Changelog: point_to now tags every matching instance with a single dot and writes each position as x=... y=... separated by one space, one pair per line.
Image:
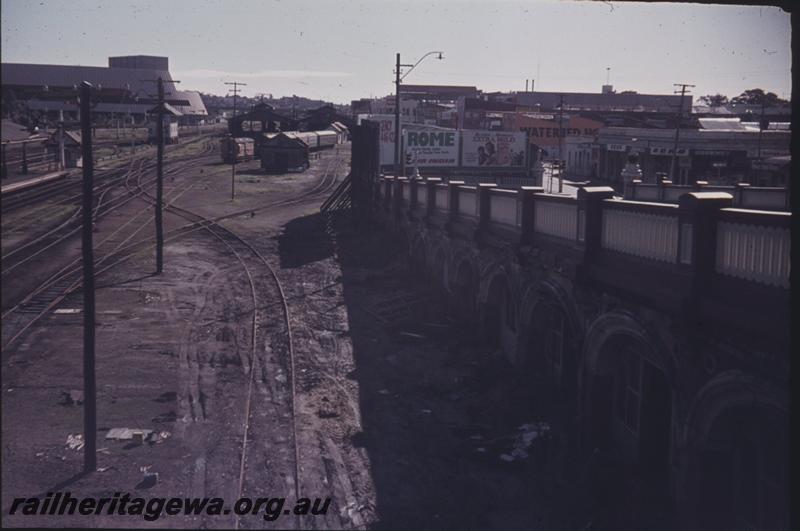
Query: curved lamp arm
x=418 y=62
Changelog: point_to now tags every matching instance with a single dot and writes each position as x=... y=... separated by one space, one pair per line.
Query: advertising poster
x=493 y=148
x=386 y=138
x=546 y=132
x=427 y=147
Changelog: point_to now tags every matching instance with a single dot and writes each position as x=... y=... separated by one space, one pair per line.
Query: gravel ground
x=400 y=415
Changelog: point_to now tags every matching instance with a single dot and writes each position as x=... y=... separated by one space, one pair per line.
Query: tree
x=757 y=96
x=716 y=100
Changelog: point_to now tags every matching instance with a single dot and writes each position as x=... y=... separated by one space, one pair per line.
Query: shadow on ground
x=441 y=411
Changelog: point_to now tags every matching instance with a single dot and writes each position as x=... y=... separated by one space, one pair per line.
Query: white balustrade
x=422 y=194
x=503 y=209
x=467 y=203
x=556 y=218
x=442 y=202
x=640 y=234
x=769 y=198
x=753 y=252
x=646 y=192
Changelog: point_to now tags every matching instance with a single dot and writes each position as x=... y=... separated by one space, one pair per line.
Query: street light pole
x=397 y=80
x=397 y=117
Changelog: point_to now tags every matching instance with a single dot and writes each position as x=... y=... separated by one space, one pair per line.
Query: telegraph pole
x=160 y=172
x=61 y=158
x=761 y=126
x=89 y=387
x=674 y=163
x=560 y=143
x=235 y=90
x=397 y=117
x=160 y=180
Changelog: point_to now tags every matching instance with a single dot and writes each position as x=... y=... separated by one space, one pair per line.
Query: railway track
x=264 y=289
x=102 y=205
x=103 y=179
x=56 y=288
x=68 y=279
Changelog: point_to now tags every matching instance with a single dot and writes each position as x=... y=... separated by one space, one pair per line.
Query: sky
x=341 y=50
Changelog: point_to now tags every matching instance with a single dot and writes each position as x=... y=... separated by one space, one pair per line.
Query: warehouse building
x=125 y=90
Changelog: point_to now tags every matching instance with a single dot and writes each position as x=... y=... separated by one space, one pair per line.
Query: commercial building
x=719 y=155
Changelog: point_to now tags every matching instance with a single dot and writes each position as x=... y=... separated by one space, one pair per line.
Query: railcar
x=326 y=139
x=237 y=149
x=309 y=137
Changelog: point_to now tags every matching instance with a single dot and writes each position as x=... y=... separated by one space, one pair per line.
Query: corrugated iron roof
x=168 y=109
x=135 y=80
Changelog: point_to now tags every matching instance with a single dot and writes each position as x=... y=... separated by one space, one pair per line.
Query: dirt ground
x=400 y=415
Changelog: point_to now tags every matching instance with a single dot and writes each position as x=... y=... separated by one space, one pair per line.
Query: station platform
x=23 y=184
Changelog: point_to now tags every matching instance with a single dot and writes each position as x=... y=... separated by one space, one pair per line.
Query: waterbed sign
x=493 y=148
x=431 y=147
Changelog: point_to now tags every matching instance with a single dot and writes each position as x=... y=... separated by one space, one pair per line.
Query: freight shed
x=281 y=153
x=261 y=119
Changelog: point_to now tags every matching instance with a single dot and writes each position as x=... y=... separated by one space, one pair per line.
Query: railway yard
x=281 y=353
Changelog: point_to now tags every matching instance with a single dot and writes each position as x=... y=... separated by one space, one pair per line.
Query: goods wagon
x=326 y=139
x=237 y=149
x=309 y=137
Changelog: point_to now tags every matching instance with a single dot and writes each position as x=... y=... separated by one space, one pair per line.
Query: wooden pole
x=89 y=388
x=397 y=117
x=160 y=180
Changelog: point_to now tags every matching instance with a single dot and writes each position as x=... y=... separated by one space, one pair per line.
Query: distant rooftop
x=41 y=84
x=596 y=101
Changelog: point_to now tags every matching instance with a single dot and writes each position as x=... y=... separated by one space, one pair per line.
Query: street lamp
x=397 y=80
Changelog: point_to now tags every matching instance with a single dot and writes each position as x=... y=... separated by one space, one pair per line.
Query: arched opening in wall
x=496 y=311
x=418 y=258
x=548 y=358
x=439 y=262
x=743 y=478
x=463 y=291
x=630 y=409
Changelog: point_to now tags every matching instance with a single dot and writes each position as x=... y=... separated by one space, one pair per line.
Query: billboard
x=429 y=151
x=427 y=147
x=548 y=132
x=493 y=148
x=386 y=135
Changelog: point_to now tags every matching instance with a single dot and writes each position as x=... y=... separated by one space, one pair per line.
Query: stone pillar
x=590 y=217
x=663 y=184
x=388 y=184
x=378 y=190
x=738 y=196
x=399 y=184
x=527 y=195
x=697 y=237
x=484 y=203
x=412 y=194
x=430 y=189
x=452 y=192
